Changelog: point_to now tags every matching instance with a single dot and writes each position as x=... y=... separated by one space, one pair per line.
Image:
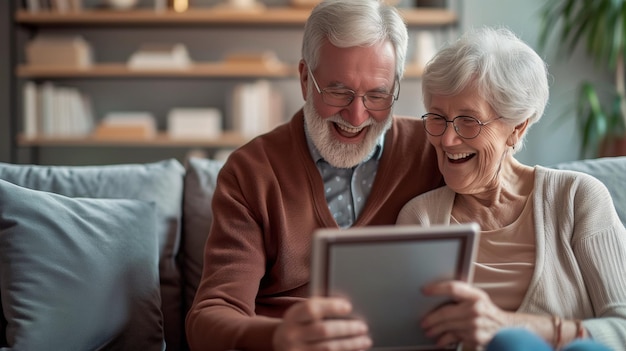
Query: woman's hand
x=472 y=318
x=317 y=324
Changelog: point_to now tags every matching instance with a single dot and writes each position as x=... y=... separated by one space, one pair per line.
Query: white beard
x=336 y=153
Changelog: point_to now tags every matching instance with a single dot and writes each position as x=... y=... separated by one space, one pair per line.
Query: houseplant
x=599 y=25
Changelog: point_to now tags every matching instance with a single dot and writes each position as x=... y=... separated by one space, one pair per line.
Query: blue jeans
x=519 y=339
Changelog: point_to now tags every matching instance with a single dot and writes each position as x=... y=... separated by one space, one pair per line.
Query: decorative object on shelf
x=267 y=59
x=160 y=56
x=121 y=4
x=127 y=125
x=304 y=3
x=601 y=117
x=240 y=5
x=179 y=5
x=194 y=123
x=59 y=51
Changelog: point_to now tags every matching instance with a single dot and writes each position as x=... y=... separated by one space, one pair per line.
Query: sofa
x=109 y=257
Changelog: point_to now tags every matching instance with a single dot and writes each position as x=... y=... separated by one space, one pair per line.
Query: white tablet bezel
x=460 y=238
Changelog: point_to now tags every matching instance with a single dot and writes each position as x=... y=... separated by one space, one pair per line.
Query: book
x=31 y=124
x=59 y=50
x=126 y=125
x=256 y=108
x=160 y=56
x=197 y=123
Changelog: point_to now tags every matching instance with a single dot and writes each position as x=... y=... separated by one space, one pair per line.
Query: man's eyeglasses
x=340 y=97
x=467 y=127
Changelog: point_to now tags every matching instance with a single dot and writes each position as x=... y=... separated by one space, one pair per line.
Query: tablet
x=381 y=270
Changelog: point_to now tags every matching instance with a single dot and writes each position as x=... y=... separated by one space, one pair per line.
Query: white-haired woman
x=552 y=248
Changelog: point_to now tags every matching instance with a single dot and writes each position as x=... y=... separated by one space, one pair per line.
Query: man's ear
x=304 y=78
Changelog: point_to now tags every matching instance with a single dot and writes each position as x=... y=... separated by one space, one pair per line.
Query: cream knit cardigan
x=580 y=267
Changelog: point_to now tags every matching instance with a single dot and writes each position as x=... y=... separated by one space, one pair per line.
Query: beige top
x=506 y=260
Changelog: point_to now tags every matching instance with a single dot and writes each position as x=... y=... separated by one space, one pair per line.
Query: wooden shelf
x=270 y=16
x=200 y=70
x=227 y=139
x=197 y=70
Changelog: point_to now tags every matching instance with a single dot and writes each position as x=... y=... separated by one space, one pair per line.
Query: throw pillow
x=78 y=273
x=158 y=182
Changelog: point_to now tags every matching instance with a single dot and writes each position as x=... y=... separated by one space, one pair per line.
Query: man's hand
x=317 y=324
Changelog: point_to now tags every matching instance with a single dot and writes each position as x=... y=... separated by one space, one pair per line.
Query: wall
x=553 y=139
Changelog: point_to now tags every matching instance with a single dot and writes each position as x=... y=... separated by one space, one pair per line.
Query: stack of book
x=59 y=50
x=256 y=108
x=160 y=56
x=194 y=123
x=127 y=125
x=51 y=110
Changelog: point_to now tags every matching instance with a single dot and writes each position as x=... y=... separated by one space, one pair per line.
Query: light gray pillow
x=158 y=182
x=609 y=170
x=78 y=273
x=200 y=181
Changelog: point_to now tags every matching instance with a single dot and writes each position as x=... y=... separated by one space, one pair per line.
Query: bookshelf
x=217 y=76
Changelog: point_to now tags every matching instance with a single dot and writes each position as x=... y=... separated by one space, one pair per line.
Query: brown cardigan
x=269 y=198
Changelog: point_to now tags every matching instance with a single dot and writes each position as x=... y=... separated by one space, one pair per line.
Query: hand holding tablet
x=381 y=270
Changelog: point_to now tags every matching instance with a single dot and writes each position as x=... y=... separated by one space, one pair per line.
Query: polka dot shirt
x=347 y=189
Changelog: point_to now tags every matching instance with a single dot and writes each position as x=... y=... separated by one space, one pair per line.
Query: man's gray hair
x=351 y=23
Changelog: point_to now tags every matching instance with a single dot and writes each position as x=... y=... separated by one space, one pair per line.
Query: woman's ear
x=518 y=133
x=304 y=78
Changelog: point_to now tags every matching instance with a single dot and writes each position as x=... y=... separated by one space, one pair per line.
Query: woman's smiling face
x=470 y=166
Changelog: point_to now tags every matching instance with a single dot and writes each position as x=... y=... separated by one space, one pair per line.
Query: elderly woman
x=552 y=248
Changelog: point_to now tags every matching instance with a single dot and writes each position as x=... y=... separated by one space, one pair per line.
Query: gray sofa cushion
x=200 y=182
x=609 y=170
x=159 y=182
x=78 y=274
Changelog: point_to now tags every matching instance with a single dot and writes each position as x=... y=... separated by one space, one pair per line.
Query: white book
x=201 y=123
x=155 y=56
x=46 y=98
x=61 y=114
x=76 y=113
x=263 y=90
x=30 y=112
x=277 y=110
x=87 y=113
x=235 y=110
x=250 y=113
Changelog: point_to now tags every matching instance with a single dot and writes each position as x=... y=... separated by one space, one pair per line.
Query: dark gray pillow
x=77 y=273
x=158 y=182
x=200 y=181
